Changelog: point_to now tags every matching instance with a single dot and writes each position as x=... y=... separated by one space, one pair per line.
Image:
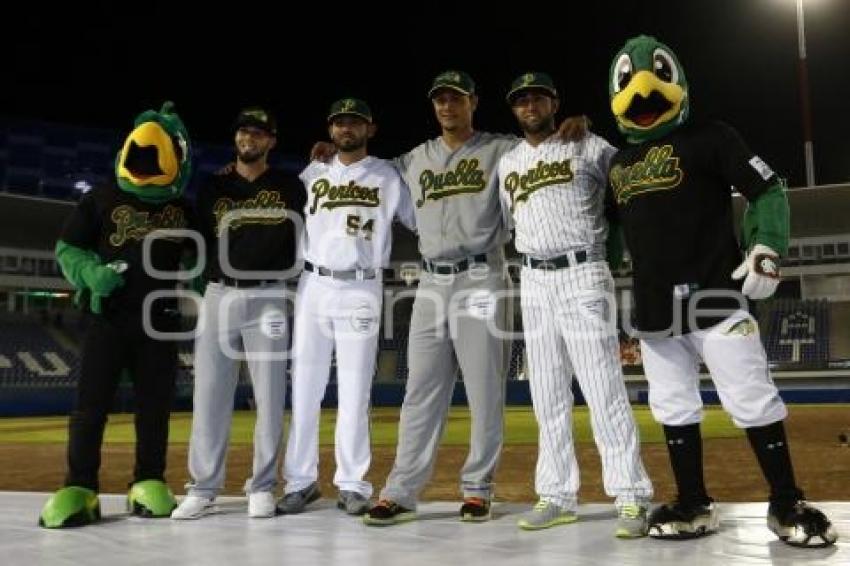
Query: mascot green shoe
x=151 y=499
x=71 y=506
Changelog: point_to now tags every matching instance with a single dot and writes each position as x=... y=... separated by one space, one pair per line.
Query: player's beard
x=546 y=125
x=349 y=144
x=250 y=155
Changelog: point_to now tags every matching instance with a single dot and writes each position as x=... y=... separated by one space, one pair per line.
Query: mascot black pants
x=110 y=347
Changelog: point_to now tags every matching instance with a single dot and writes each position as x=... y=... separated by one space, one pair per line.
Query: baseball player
x=249 y=214
x=352 y=202
x=461 y=236
x=452 y=179
x=672 y=188
x=554 y=193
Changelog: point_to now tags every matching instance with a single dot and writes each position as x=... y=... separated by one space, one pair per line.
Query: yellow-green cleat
x=546 y=514
x=151 y=499
x=631 y=522
x=71 y=506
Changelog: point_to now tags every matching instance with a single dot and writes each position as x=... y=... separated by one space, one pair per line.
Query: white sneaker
x=194 y=507
x=261 y=504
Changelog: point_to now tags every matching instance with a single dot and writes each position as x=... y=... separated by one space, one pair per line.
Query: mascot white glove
x=761 y=269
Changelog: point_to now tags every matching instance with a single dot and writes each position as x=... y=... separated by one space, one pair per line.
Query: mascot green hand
x=86 y=272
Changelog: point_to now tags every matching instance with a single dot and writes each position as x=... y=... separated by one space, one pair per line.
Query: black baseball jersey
x=114 y=224
x=260 y=238
x=673 y=197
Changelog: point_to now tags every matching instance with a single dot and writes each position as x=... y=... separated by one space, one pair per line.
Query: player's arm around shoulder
x=312 y=171
x=600 y=153
x=394 y=186
x=504 y=170
x=403 y=162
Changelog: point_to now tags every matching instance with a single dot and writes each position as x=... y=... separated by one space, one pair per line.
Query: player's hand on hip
x=760 y=271
x=322 y=151
x=574 y=128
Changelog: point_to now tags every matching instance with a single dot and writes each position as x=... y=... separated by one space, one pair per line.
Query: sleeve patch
x=761 y=167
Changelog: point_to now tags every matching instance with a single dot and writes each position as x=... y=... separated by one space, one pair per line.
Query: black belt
x=244 y=283
x=348 y=275
x=450 y=268
x=559 y=262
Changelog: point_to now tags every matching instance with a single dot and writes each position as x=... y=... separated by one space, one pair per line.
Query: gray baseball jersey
x=456 y=195
x=568 y=214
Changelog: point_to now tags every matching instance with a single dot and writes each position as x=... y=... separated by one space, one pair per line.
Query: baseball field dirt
x=33 y=452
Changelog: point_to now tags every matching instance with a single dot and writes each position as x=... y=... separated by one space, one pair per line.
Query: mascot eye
x=664 y=66
x=181 y=147
x=622 y=72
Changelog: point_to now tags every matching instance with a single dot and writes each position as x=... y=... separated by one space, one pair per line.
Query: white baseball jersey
x=348 y=217
x=554 y=195
x=350 y=210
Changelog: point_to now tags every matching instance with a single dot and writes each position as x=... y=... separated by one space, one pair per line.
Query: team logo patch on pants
x=481 y=304
x=273 y=323
x=743 y=327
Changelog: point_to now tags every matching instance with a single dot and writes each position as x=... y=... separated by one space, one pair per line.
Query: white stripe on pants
x=564 y=313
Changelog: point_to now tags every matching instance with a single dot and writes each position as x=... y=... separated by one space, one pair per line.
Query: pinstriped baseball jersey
x=456 y=195
x=350 y=210
x=554 y=194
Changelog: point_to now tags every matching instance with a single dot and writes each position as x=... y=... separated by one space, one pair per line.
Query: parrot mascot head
x=155 y=162
x=648 y=90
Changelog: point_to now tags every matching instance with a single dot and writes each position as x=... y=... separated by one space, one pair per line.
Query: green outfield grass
x=520 y=427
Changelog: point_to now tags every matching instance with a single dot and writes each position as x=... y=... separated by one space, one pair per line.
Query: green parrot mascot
x=118 y=237
x=672 y=189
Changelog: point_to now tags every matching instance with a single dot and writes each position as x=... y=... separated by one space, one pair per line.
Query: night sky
x=100 y=64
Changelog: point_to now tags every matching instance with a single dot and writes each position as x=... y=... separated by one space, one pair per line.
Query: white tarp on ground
x=324 y=535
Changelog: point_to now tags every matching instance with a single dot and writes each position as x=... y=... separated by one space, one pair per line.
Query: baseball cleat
x=475 y=510
x=683 y=521
x=388 y=513
x=295 y=502
x=801 y=525
x=544 y=515
x=352 y=502
x=631 y=522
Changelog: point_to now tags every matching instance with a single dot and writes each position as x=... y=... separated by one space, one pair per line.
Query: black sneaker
x=800 y=524
x=388 y=513
x=475 y=510
x=295 y=502
x=683 y=521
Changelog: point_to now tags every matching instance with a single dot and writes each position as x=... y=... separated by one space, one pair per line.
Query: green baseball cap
x=351 y=107
x=455 y=80
x=256 y=117
x=531 y=81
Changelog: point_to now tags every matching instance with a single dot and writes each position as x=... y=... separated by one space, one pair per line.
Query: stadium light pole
x=803 y=75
